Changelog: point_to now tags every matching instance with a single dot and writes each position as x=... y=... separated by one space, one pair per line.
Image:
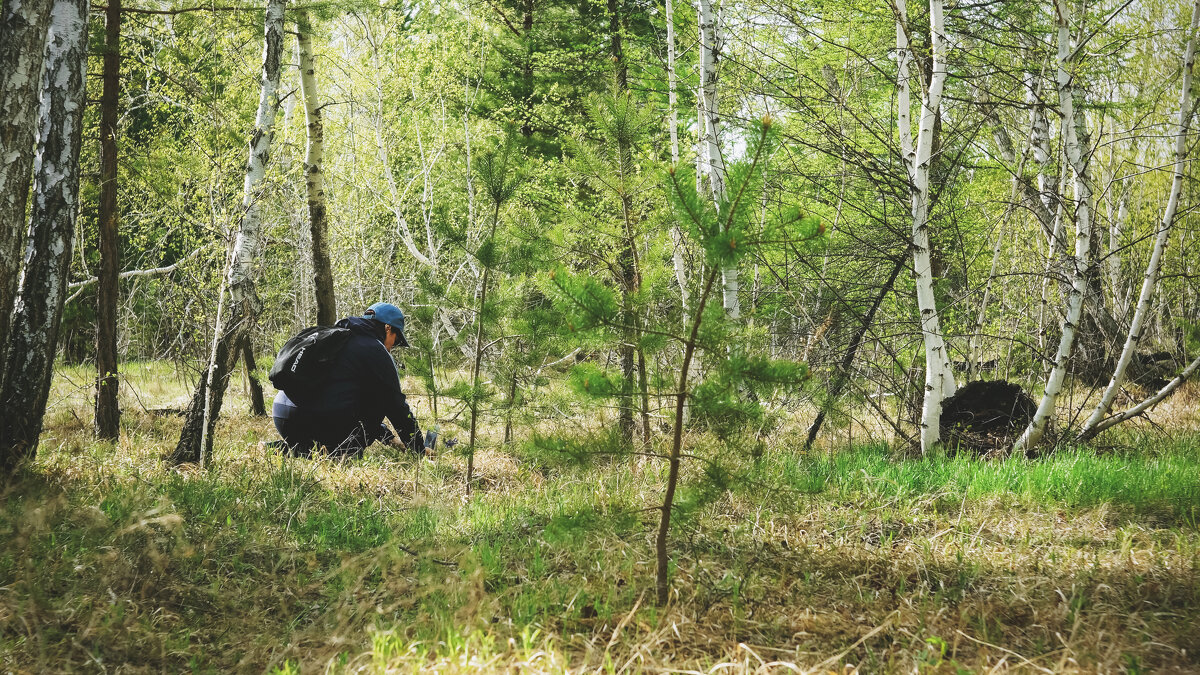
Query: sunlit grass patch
x=1167 y=480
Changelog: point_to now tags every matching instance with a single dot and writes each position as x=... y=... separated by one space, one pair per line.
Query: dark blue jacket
x=363 y=384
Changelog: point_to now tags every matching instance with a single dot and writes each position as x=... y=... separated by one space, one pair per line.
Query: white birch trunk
x=314 y=175
x=1083 y=234
x=711 y=41
x=22 y=46
x=677 y=238
x=43 y=285
x=1053 y=248
x=939 y=375
x=1051 y=229
x=236 y=311
x=1150 y=281
x=1040 y=140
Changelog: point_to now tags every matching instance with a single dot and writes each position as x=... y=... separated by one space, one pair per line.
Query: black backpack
x=303 y=363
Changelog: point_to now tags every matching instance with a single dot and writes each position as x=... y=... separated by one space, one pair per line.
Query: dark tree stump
x=986 y=415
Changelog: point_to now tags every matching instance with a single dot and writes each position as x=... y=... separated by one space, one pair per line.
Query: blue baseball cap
x=391 y=315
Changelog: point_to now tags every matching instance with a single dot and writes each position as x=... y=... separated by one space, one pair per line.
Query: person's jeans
x=303 y=431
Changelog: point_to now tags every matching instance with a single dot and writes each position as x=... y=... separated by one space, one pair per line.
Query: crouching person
x=360 y=386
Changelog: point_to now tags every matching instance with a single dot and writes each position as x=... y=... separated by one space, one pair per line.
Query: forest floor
x=852 y=559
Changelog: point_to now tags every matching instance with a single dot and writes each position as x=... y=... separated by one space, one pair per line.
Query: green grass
x=1074 y=561
x=1166 y=478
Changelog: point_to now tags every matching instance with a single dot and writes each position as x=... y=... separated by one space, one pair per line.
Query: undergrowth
x=1161 y=479
x=1077 y=561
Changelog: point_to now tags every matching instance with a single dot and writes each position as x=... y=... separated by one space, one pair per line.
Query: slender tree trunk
x=844 y=373
x=939 y=376
x=661 y=577
x=22 y=46
x=974 y=356
x=108 y=411
x=237 y=307
x=433 y=390
x=1050 y=209
x=34 y=334
x=1030 y=192
x=627 y=257
x=1033 y=433
x=644 y=387
x=1150 y=281
x=527 y=68
x=629 y=267
x=1054 y=249
x=1097 y=333
x=512 y=401
x=258 y=404
x=478 y=362
x=626 y=406
x=1039 y=139
x=314 y=176
x=1121 y=291
x=616 y=47
x=677 y=238
x=713 y=163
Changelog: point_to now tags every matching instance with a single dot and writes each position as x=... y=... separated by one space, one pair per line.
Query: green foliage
x=590 y=380
x=729 y=401
x=586 y=302
x=567 y=453
x=498 y=172
x=489 y=141
x=736 y=225
x=486 y=253
x=1191 y=332
x=718 y=405
x=463 y=391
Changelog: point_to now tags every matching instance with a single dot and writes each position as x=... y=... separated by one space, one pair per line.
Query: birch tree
x=677 y=238
x=1150 y=280
x=711 y=161
x=43 y=285
x=1036 y=429
x=939 y=376
x=314 y=178
x=22 y=44
x=238 y=302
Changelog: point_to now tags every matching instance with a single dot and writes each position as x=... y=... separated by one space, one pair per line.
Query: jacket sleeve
x=395 y=405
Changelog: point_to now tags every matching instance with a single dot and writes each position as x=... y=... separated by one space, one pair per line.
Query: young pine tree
x=619 y=190
x=726 y=231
